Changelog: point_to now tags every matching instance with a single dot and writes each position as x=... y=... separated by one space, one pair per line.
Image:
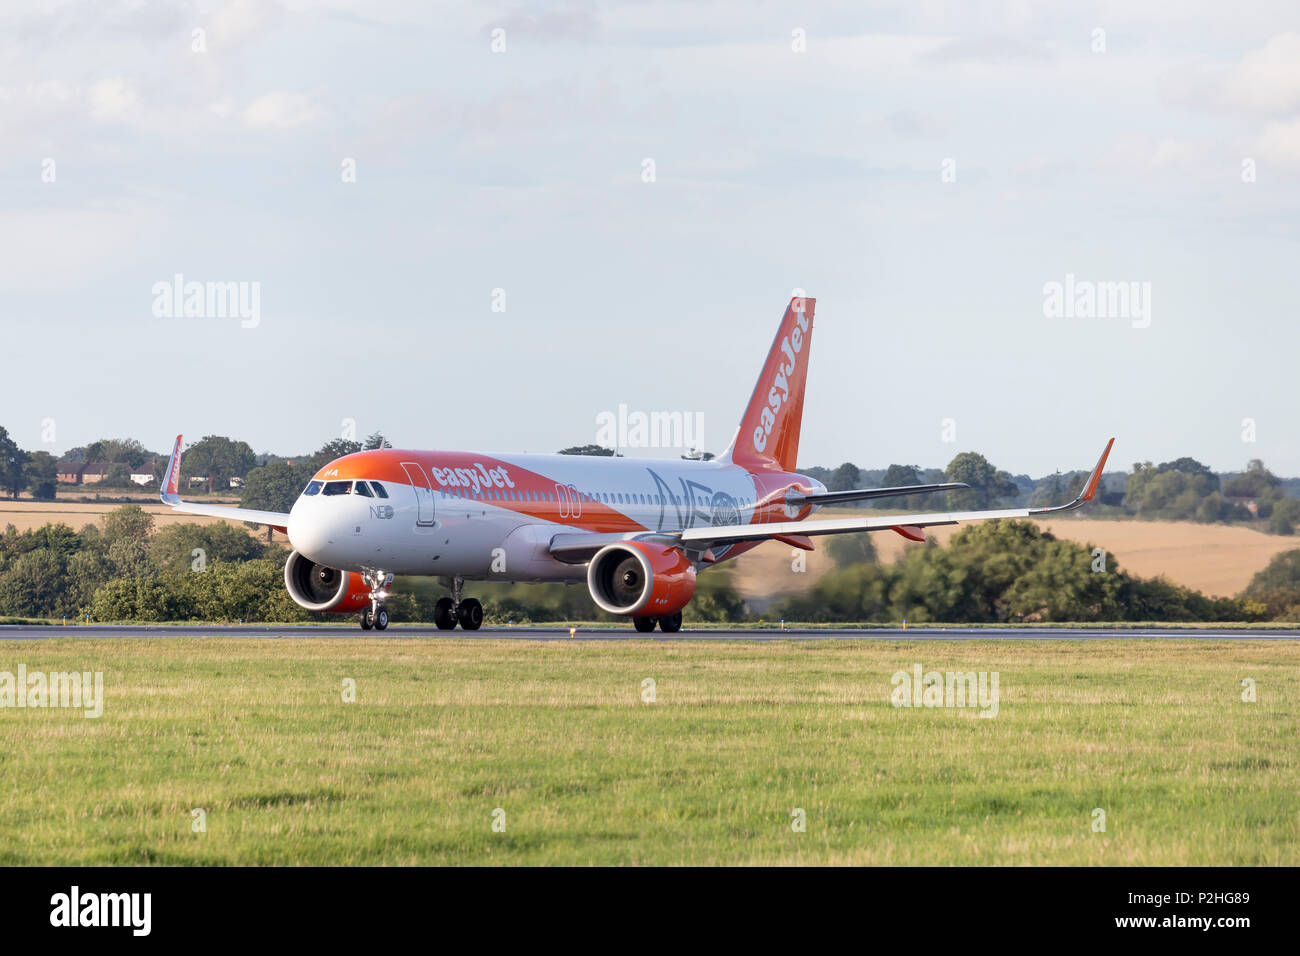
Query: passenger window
x=379 y=489
x=362 y=488
x=338 y=487
x=313 y=487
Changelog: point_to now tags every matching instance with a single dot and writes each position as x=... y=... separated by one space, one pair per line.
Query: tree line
x=124 y=569
x=1179 y=490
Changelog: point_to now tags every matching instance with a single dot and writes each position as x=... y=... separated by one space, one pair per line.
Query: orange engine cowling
x=319 y=588
x=634 y=577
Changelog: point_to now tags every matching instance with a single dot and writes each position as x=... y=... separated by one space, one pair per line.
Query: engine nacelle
x=320 y=588
x=634 y=577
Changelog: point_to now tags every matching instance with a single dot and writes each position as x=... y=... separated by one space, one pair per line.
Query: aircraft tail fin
x=769 y=430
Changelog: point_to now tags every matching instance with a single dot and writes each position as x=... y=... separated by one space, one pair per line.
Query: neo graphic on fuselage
x=638 y=532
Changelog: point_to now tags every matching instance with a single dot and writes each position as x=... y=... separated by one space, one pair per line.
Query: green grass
x=444 y=731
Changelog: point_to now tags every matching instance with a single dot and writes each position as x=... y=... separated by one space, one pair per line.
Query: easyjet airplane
x=637 y=531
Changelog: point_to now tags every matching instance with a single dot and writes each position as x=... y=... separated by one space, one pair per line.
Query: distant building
x=143 y=475
x=70 y=472
x=236 y=482
x=94 y=472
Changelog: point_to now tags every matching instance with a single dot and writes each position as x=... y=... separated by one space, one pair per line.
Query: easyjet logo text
x=779 y=391
x=475 y=477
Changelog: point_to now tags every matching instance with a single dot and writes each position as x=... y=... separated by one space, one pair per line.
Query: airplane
x=637 y=531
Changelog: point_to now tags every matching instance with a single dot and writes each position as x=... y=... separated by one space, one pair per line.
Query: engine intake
x=320 y=588
x=633 y=577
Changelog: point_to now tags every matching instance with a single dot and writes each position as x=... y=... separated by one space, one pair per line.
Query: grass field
x=444 y=732
x=26 y=514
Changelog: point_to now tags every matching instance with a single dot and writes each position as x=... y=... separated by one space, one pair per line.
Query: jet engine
x=639 y=578
x=320 y=588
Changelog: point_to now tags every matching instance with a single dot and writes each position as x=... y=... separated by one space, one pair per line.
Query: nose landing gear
x=376 y=616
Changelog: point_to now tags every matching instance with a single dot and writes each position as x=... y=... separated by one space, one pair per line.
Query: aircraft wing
x=169 y=496
x=907 y=525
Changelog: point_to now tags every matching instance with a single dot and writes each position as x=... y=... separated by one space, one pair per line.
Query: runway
x=23 y=632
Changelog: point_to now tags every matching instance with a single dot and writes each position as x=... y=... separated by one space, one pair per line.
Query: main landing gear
x=669 y=624
x=450 y=611
x=376 y=616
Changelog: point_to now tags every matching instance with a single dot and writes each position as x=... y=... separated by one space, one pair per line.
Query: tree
x=988 y=486
x=173 y=547
x=1049 y=492
x=218 y=458
x=899 y=476
x=1176 y=490
x=1286 y=515
x=117 y=476
x=844 y=478
x=849 y=549
x=1277 y=586
x=128 y=451
x=32 y=585
x=127 y=523
x=327 y=453
x=376 y=441
x=1255 y=482
x=274 y=487
x=42 y=475
x=13 y=465
x=598 y=451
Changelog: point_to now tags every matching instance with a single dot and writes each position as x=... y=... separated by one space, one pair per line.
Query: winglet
x=1095 y=478
x=170 y=493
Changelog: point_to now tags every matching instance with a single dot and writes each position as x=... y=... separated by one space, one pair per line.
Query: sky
x=489 y=226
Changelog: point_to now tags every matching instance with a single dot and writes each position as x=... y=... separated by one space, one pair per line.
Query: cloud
x=1279 y=145
x=112 y=100
x=281 y=109
x=988 y=50
x=1141 y=157
x=577 y=22
x=1265 y=81
x=69 y=246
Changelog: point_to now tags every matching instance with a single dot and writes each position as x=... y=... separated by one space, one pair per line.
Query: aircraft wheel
x=643 y=624
x=443 y=615
x=470 y=614
x=367 y=622
x=381 y=619
x=671 y=624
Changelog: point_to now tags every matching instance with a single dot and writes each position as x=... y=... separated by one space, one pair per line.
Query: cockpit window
x=313 y=487
x=338 y=487
x=379 y=489
x=362 y=488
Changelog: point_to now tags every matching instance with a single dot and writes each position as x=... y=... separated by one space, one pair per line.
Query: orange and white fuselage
x=481 y=516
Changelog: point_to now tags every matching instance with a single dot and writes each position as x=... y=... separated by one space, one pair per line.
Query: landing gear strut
x=467 y=612
x=376 y=615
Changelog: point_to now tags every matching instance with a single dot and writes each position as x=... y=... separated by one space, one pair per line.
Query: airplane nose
x=311 y=531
